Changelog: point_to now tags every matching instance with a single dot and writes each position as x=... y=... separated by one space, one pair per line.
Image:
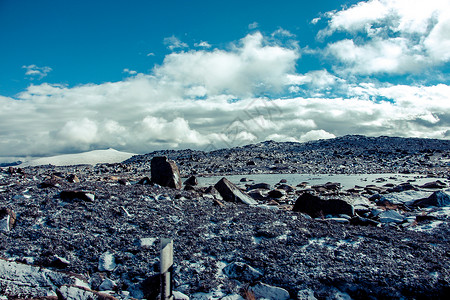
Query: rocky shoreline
x=92 y=232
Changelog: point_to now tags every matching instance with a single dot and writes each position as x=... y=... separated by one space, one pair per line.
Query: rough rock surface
x=230 y=192
x=165 y=172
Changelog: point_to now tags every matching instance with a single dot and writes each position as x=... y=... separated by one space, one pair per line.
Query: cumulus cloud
x=390 y=36
x=34 y=71
x=253 y=65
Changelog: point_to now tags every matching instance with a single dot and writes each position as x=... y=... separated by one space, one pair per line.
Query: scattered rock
x=69 y=292
x=165 y=172
x=276 y=193
x=437 y=199
x=106 y=262
x=72 y=178
x=192 y=181
x=25 y=281
x=262 y=186
x=242 y=272
x=434 y=185
x=230 y=192
x=390 y=216
x=7 y=219
x=145 y=180
x=316 y=207
x=265 y=291
x=306 y=294
x=70 y=196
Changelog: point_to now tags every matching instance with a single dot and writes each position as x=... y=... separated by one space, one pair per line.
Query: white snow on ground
x=85 y=158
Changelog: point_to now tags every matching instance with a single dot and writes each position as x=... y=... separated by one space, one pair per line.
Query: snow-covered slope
x=90 y=158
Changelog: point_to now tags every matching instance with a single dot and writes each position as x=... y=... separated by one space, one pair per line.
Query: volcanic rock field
x=93 y=232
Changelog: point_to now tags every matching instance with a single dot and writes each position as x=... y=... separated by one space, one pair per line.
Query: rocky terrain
x=92 y=232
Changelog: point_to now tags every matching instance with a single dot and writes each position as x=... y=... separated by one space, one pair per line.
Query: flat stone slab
x=24 y=281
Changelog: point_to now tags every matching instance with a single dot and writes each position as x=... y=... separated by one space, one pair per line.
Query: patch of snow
x=86 y=158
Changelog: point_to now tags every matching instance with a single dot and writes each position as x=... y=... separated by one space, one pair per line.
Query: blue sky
x=144 y=75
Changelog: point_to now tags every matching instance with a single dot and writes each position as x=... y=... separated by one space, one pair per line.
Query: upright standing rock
x=165 y=172
x=7 y=219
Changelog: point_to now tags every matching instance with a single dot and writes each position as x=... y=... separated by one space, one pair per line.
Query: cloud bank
x=207 y=98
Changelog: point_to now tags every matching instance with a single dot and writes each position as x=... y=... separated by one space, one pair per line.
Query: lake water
x=347 y=181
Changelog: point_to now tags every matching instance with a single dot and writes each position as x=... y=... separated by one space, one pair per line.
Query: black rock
x=316 y=207
x=165 y=172
x=192 y=181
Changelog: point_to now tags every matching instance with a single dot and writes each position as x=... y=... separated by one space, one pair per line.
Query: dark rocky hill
x=352 y=154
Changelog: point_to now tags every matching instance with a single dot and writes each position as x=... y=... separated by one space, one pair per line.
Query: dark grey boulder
x=434 y=185
x=70 y=196
x=276 y=194
x=165 y=172
x=232 y=193
x=262 y=186
x=438 y=199
x=316 y=207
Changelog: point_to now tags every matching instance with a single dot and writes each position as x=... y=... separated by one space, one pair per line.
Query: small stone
x=306 y=294
x=72 y=178
x=262 y=290
x=106 y=262
x=77 y=196
x=107 y=285
x=390 y=216
x=241 y=271
x=144 y=180
x=262 y=186
x=7 y=219
x=192 y=181
x=147 y=242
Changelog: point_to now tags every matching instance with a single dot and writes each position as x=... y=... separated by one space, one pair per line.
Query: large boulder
x=232 y=193
x=316 y=207
x=438 y=199
x=165 y=172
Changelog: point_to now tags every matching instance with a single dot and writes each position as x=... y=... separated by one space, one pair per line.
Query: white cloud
x=130 y=72
x=173 y=43
x=203 y=98
x=250 y=66
x=35 y=71
x=391 y=36
x=202 y=44
x=253 y=25
x=314 y=135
